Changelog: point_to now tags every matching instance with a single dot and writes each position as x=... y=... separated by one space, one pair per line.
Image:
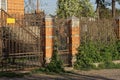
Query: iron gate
x=20 y=41
x=62 y=33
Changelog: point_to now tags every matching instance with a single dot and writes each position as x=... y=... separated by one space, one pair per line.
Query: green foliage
x=83 y=63
x=105 y=13
x=106 y=53
x=84 y=60
x=68 y=8
x=118 y=46
x=109 y=65
x=116 y=52
x=11 y=74
x=55 y=64
x=91 y=52
x=102 y=8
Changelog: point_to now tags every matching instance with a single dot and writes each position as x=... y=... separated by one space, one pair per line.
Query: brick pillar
x=48 y=38
x=117 y=28
x=74 y=38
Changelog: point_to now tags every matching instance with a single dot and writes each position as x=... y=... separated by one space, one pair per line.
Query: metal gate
x=20 y=41
x=62 y=33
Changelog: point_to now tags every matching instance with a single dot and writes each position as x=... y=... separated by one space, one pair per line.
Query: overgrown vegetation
x=90 y=53
x=109 y=65
x=55 y=65
x=12 y=74
x=98 y=45
x=84 y=62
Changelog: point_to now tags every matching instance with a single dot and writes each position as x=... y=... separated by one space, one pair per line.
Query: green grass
x=12 y=74
x=109 y=65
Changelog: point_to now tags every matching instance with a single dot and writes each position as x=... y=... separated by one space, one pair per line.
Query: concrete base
x=47 y=60
x=73 y=60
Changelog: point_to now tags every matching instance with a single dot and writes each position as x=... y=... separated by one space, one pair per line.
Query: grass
x=12 y=74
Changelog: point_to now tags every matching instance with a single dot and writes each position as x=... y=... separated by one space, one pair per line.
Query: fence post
x=117 y=28
x=74 y=38
x=48 y=39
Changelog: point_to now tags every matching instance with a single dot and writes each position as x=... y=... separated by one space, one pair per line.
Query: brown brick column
x=74 y=38
x=48 y=38
x=117 y=28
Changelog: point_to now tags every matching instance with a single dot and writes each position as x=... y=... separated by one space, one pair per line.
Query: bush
x=90 y=52
x=105 y=53
x=84 y=60
x=56 y=64
x=118 y=46
x=106 y=65
x=109 y=65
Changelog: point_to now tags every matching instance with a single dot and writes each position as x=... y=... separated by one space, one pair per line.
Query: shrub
x=90 y=52
x=106 y=65
x=118 y=46
x=105 y=53
x=109 y=65
x=55 y=64
x=84 y=60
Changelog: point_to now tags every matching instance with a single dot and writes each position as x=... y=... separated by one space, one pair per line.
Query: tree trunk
x=98 y=9
x=113 y=8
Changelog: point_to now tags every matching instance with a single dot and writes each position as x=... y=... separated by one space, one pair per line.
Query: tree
x=102 y=10
x=78 y=8
x=113 y=8
x=99 y=4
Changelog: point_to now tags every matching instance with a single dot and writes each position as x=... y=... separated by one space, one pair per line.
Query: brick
x=75 y=36
x=48 y=37
x=48 y=53
x=15 y=6
x=48 y=23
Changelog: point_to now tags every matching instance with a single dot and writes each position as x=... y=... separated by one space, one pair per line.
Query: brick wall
x=74 y=37
x=15 y=6
x=48 y=35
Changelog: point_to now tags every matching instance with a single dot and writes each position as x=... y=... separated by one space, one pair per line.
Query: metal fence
x=20 y=41
x=102 y=31
x=61 y=32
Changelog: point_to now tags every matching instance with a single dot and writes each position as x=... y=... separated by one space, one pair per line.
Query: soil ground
x=107 y=74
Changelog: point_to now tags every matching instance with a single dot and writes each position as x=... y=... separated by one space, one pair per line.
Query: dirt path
x=108 y=74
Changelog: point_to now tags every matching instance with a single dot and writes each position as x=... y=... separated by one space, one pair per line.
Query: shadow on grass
x=68 y=75
x=41 y=75
x=12 y=74
x=75 y=76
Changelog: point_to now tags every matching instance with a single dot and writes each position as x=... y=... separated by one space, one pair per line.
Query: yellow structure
x=10 y=20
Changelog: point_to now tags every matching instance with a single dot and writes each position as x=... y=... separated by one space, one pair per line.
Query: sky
x=49 y=6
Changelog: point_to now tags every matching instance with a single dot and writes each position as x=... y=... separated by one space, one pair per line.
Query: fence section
x=102 y=31
x=62 y=35
x=20 y=41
